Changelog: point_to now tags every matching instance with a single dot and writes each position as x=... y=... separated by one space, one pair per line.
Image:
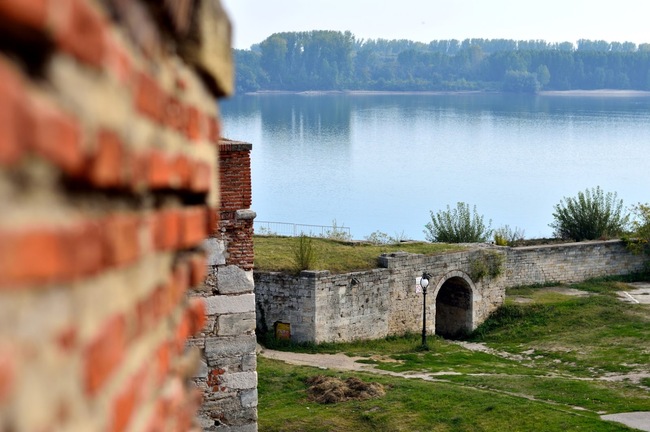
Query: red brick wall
x=236 y=225
x=108 y=168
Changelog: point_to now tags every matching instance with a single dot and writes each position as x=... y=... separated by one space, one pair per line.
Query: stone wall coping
x=231 y=145
x=245 y=214
x=567 y=245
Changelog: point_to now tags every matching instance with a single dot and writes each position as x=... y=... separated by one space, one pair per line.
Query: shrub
x=303 y=253
x=639 y=239
x=593 y=214
x=506 y=236
x=337 y=233
x=488 y=263
x=381 y=238
x=459 y=225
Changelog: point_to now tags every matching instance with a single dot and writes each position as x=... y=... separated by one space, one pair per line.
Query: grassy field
x=277 y=253
x=555 y=363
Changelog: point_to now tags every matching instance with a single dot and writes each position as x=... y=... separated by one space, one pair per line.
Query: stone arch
x=455 y=294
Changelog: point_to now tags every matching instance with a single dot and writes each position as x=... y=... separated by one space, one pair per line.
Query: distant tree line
x=332 y=60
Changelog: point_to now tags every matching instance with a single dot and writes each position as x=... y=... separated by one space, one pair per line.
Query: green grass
x=556 y=352
x=277 y=253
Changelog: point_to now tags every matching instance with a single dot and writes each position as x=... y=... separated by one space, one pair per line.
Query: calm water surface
x=382 y=162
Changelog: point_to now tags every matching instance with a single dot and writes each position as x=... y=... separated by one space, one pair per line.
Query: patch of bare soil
x=328 y=390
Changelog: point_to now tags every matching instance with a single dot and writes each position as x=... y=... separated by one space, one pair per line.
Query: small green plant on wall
x=486 y=264
x=303 y=252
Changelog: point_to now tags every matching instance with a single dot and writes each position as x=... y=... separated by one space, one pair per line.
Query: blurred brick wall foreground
x=108 y=186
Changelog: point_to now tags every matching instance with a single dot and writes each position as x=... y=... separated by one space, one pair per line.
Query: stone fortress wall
x=322 y=307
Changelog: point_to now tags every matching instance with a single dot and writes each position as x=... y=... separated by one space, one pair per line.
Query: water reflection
x=381 y=162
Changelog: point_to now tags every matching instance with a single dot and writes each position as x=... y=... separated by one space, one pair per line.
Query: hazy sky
x=426 y=20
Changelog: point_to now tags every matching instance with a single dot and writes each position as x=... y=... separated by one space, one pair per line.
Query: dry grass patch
x=328 y=390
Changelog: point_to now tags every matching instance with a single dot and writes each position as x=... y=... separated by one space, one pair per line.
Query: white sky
x=427 y=20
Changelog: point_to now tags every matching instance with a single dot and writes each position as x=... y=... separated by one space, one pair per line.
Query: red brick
x=106 y=165
x=118 y=61
x=159 y=170
x=13 y=113
x=167 y=227
x=198 y=270
x=193 y=124
x=158 y=419
x=66 y=339
x=181 y=281
x=214 y=129
x=214 y=217
x=7 y=372
x=33 y=256
x=201 y=177
x=194 y=226
x=28 y=13
x=196 y=313
x=163 y=360
x=121 y=239
x=104 y=353
x=124 y=405
x=159 y=303
x=182 y=171
x=183 y=332
x=55 y=136
x=174 y=114
x=86 y=248
x=150 y=99
x=81 y=31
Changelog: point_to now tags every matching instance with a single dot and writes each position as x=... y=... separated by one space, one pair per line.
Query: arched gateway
x=454 y=296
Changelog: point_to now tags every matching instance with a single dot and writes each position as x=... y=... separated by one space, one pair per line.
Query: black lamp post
x=424 y=283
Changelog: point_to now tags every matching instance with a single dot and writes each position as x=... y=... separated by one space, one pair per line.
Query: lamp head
x=424 y=280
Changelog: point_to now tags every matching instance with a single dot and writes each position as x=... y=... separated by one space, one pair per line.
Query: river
x=382 y=162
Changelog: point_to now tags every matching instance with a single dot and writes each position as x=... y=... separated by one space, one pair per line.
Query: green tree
x=593 y=214
x=520 y=82
x=543 y=75
x=458 y=225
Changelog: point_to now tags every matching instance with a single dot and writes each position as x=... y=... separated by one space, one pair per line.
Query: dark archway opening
x=454 y=308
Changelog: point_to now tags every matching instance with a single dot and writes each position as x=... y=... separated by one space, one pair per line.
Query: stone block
x=218 y=347
x=215 y=250
x=234 y=280
x=249 y=398
x=235 y=324
x=240 y=380
x=230 y=304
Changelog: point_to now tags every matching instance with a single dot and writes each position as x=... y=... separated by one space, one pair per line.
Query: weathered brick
x=32 y=256
x=13 y=118
x=167 y=229
x=201 y=180
x=124 y=405
x=194 y=226
x=196 y=312
x=104 y=353
x=150 y=99
x=106 y=165
x=8 y=358
x=81 y=31
x=121 y=239
x=31 y=14
x=198 y=269
x=181 y=172
x=159 y=169
x=193 y=124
